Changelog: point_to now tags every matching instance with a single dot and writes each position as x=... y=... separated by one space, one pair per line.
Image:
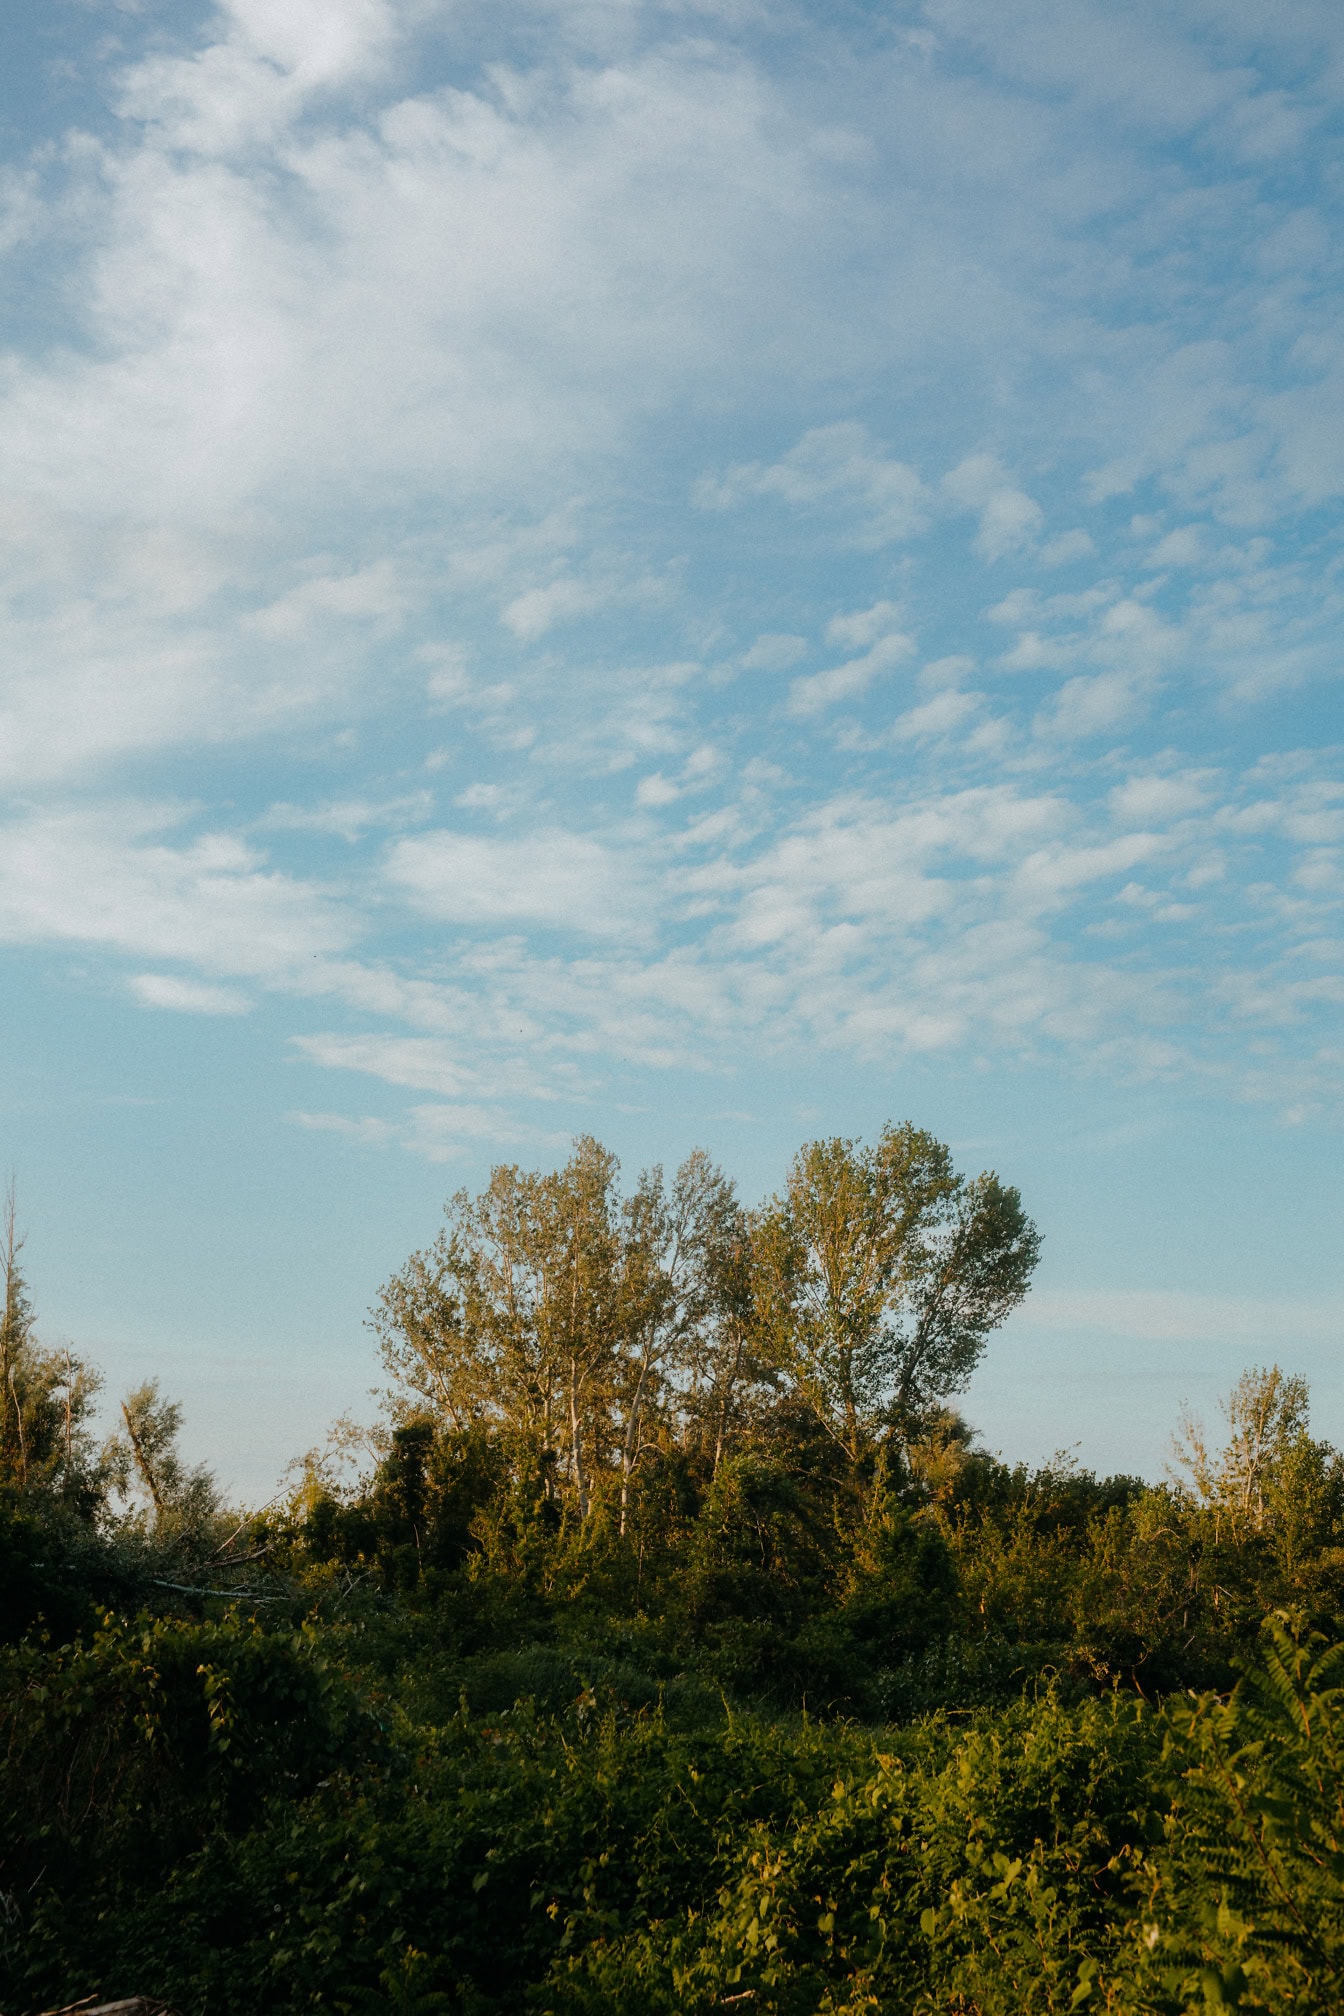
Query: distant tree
x=592 y=1327
x=597 y=1328
x=145 y=1464
x=1270 y=1476
x=17 y=1345
x=513 y=1316
x=881 y=1273
x=683 y=1346
x=730 y=1376
x=46 y=1395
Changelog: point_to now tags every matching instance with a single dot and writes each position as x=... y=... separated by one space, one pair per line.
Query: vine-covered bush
x=211 y=1815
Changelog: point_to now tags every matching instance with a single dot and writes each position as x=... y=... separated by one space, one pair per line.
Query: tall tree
x=46 y=1395
x=678 y=1249
x=16 y=1349
x=881 y=1273
x=1267 y=1414
x=729 y=1371
x=145 y=1461
x=582 y=1309
x=592 y=1326
x=459 y=1323
x=515 y=1315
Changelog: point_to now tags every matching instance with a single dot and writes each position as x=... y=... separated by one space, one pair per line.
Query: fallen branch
x=134 y=2005
x=196 y=1589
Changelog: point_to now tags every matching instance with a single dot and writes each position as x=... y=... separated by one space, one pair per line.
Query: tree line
x=600 y=1330
x=674 y=1645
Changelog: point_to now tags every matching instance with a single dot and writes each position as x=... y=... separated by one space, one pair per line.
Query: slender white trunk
x=630 y=1445
x=576 y=1441
x=724 y=1398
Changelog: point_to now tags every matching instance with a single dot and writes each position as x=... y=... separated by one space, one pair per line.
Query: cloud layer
x=624 y=537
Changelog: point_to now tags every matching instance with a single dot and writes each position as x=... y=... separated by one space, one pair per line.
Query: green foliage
x=46 y=1399
x=1243 y=1898
x=677 y=1649
x=604 y=1331
x=210 y=1814
x=174 y=1499
x=128 y=1745
x=882 y=1271
x=122 y=1755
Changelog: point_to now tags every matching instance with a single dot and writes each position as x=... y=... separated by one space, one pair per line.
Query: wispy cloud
x=580 y=547
x=837 y=471
x=187 y=997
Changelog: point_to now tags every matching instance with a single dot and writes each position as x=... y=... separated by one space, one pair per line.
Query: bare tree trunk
x=23 y=1446
x=548 y=1482
x=576 y=1440
x=723 y=1403
x=143 y=1465
x=9 y=1323
x=630 y=1444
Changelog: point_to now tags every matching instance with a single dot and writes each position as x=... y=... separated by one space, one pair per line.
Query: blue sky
x=704 y=574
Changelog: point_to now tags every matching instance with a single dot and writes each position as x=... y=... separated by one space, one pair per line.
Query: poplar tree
x=46 y=1395
x=880 y=1274
x=589 y=1326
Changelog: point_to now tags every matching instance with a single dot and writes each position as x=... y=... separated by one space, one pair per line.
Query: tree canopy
x=600 y=1327
x=672 y=1644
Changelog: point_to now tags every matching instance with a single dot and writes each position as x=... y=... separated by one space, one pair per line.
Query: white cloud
x=493 y=798
x=368 y=1132
x=1067 y=547
x=187 y=997
x=448 y=680
x=774 y=651
x=864 y=626
x=943 y=672
x=820 y=690
x=837 y=468
x=438 y=1132
x=558 y=880
x=537 y=610
x=1052 y=874
x=944 y=714
x=1158 y=799
x=350 y=819
x=114 y=878
x=424 y=1063
x=1184 y=547
x=1009 y=519
x=656 y=790
x=362 y=376
x=303 y=318
x=1173 y=1317
x=370 y=594
x=266 y=63
x=1091 y=705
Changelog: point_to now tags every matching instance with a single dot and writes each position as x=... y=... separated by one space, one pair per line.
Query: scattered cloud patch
x=557 y=880
x=945 y=714
x=1159 y=799
x=656 y=790
x=1173 y=1317
x=187 y=997
x=839 y=470
x=817 y=691
x=863 y=627
x=424 y=1063
x=1010 y=520
x=352 y=389
x=537 y=610
x=773 y=651
x=1067 y=547
x=368 y=594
